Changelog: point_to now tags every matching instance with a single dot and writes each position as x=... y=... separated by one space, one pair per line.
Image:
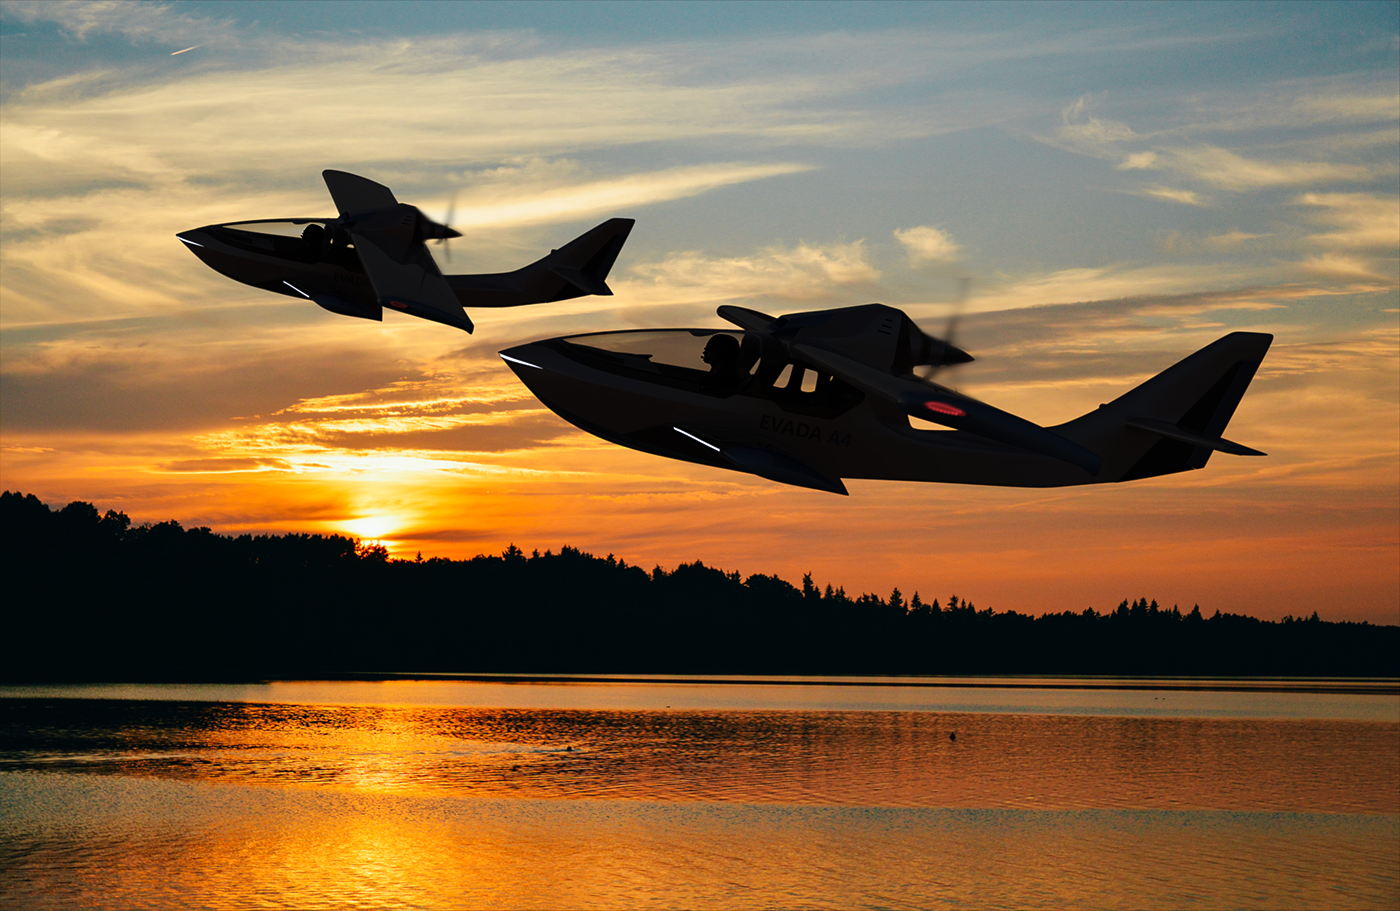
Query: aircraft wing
x=943 y=406
x=353 y=193
x=387 y=237
x=405 y=276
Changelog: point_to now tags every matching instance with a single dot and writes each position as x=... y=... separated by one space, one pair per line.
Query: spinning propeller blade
x=447 y=223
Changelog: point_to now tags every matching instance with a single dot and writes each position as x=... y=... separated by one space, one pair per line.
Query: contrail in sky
x=188 y=49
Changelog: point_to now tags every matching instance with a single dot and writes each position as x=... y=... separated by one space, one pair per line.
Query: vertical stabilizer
x=1175 y=420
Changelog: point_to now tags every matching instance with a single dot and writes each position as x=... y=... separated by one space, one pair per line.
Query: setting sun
x=373 y=528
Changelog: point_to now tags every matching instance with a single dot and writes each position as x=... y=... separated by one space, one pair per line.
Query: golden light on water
x=454 y=794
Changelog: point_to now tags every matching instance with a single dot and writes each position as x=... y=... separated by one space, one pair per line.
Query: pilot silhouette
x=313 y=242
x=722 y=354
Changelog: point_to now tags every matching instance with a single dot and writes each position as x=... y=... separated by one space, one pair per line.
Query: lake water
x=651 y=793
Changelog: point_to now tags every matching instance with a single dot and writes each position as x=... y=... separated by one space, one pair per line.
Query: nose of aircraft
x=520 y=358
x=196 y=239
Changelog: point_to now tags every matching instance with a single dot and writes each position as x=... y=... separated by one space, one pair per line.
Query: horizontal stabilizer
x=586 y=283
x=1174 y=432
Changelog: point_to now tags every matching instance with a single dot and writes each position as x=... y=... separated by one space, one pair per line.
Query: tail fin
x=1174 y=421
x=586 y=260
x=578 y=268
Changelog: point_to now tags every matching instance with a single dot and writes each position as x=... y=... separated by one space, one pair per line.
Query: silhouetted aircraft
x=811 y=398
x=373 y=256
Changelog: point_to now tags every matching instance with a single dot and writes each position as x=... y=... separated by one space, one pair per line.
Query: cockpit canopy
x=695 y=354
x=303 y=240
x=717 y=362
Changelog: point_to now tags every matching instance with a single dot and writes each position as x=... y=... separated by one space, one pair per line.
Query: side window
x=801 y=389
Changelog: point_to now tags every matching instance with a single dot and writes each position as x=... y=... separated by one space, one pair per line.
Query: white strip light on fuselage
x=696 y=439
x=296 y=289
x=516 y=360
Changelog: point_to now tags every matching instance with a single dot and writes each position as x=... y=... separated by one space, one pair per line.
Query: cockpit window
x=718 y=362
x=305 y=240
x=716 y=359
x=694 y=349
x=290 y=228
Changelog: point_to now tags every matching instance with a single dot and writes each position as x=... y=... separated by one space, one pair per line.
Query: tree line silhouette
x=90 y=597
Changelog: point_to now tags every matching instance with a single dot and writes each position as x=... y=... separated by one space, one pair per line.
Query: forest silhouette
x=90 y=597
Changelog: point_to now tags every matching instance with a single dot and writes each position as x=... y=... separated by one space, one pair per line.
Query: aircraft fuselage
x=809 y=430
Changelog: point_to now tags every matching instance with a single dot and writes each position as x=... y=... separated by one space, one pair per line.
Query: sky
x=1096 y=190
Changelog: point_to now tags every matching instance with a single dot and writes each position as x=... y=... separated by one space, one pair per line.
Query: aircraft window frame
x=296 y=227
x=830 y=396
x=671 y=356
x=334 y=248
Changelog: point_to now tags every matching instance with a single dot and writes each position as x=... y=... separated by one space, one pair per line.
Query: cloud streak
x=143 y=22
x=585 y=200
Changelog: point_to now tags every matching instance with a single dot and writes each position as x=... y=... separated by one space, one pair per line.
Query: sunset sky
x=1117 y=184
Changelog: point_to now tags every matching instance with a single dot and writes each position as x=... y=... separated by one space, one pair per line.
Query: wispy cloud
x=613 y=195
x=1176 y=147
x=1234 y=238
x=413 y=109
x=1230 y=171
x=1346 y=268
x=806 y=273
x=135 y=21
x=1362 y=220
x=1107 y=283
x=1174 y=194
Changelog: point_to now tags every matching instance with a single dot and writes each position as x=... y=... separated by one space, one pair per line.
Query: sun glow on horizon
x=373 y=528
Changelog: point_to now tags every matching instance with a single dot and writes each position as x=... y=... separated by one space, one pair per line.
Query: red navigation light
x=950 y=410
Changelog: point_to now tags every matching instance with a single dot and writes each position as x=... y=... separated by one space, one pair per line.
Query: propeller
x=447 y=223
x=955 y=355
x=964 y=285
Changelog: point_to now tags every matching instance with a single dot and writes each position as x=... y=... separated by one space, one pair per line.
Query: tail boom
x=576 y=269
